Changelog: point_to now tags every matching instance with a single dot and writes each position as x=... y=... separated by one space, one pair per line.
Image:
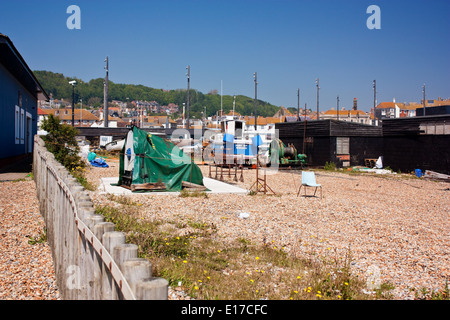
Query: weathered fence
x=91 y=260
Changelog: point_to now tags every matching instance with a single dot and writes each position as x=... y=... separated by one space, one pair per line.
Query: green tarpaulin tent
x=146 y=158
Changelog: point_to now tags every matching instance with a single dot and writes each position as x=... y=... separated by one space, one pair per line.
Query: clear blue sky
x=288 y=43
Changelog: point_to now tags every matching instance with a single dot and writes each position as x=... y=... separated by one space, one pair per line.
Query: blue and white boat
x=236 y=144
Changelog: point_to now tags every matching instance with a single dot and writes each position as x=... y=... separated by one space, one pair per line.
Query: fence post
x=110 y=241
x=153 y=289
x=91 y=222
x=136 y=270
x=122 y=253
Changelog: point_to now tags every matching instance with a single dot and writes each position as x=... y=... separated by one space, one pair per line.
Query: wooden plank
x=191 y=185
x=148 y=186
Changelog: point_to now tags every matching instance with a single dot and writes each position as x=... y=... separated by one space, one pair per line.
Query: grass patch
x=330 y=166
x=193 y=193
x=208 y=267
x=41 y=238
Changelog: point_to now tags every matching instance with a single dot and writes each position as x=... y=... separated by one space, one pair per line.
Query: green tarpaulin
x=146 y=158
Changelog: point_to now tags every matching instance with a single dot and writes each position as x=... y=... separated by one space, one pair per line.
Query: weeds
x=427 y=294
x=41 y=238
x=330 y=166
x=194 y=193
x=209 y=267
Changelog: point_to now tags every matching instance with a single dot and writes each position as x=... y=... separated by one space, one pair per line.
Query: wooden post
x=110 y=241
x=154 y=289
x=97 y=264
x=136 y=270
x=122 y=253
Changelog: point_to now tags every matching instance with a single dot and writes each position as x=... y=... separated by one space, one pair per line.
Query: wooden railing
x=91 y=260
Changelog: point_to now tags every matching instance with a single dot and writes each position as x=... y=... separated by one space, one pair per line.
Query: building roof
x=282 y=112
x=66 y=114
x=346 y=113
x=260 y=122
x=11 y=59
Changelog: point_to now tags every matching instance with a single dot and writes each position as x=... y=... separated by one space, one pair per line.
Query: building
x=417 y=143
x=392 y=110
x=82 y=117
x=357 y=116
x=342 y=143
x=19 y=95
x=433 y=110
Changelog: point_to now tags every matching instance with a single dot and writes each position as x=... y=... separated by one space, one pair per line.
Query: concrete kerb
x=108 y=186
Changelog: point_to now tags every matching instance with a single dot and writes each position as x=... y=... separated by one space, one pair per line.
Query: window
x=17 y=125
x=22 y=126
x=342 y=145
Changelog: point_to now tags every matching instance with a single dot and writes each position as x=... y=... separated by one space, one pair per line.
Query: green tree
x=61 y=141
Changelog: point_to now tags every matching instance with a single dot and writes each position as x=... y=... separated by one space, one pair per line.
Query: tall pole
x=337 y=107
x=73 y=105
x=234 y=104
x=317 y=85
x=298 y=104
x=105 y=94
x=188 y=98
x=256 y=101
x=374 y=97
x=424 y=106
x=221 y=99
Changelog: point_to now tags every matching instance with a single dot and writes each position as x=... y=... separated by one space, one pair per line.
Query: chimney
x=355 y=104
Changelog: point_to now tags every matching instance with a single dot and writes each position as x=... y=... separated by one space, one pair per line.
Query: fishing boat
x=236 y=143
x=115 y=145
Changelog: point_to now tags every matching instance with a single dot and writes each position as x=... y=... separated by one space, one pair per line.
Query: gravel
x=26 y=270
x=392 y=224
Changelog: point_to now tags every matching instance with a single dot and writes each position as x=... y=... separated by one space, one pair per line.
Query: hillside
x=92 y=94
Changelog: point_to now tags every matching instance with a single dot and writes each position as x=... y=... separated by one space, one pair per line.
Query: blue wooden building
x=19 y=94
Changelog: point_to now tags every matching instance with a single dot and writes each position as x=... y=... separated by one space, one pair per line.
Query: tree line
x=91 y=94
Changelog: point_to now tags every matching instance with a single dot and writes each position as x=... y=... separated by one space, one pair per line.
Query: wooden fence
x=91 y=260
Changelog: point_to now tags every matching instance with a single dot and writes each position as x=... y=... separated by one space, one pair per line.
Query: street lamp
x=73 y=83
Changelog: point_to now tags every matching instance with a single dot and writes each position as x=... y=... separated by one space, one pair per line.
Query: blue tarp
x=99 y=162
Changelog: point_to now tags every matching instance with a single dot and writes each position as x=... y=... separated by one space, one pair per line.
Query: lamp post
x=256 y=101
x=424 y=106
x=317 y=85
x=81 y=113
x=337 y=107
x=184 y=106
x=105 y=94
x=298 y=104
x=73 y=83
x=374 y=98
x=188 y=84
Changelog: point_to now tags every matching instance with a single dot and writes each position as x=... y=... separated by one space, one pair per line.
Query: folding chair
x=309 y=180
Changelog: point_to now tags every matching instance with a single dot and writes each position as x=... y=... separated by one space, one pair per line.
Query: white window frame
x=342 y=145
x=17 y=124
x=22 y=126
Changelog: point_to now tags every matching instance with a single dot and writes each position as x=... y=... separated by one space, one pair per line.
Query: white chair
x=309 y=180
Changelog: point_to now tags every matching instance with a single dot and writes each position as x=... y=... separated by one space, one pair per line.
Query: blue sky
x=289 y=43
